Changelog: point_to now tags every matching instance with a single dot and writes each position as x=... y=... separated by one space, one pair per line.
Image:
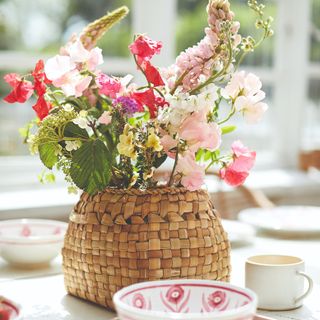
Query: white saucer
x=286 y=220
x=238 y=232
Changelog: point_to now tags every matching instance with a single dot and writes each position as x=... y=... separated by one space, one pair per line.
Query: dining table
x=42 y=296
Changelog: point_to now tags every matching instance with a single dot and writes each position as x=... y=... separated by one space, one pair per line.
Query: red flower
x=139 y=301
x=108 y=85
x=42 y=107
x=175 y=294
x=217 y=298
x=237 y=171
x=148 y=99
x=232 y=177
x=152 y=74
x=22 y=89
x=40 y=78
x=145 y=48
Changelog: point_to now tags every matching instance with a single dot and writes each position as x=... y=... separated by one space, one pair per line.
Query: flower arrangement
x=104 y=131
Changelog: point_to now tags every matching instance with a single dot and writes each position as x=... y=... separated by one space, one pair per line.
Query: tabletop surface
x=42 y=295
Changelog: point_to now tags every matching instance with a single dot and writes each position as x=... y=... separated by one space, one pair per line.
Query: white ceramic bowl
x=30 y=242
x=185 y=299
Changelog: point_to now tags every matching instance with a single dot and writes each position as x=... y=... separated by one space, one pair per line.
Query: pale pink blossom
x=243 y=84
x=73 y=83
x=252 y=109
x=91 y=58
x=57 y=66
x=168 y=143
x=108 y=85
x=192 y=173
x=198 y=133
x=105 y=118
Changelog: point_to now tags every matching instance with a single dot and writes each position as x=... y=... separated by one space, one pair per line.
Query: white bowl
x=30 y=242
x=185 y=299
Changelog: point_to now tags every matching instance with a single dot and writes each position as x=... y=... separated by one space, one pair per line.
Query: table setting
x=143 y=242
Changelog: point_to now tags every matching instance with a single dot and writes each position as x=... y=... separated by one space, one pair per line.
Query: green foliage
x=90 y=168
x=228 y=129
x=48 y=154
x=72 y=130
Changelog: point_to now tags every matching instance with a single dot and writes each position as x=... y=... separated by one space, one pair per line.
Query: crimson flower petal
x=42 y=107
x=22 y=89
x=152 y=74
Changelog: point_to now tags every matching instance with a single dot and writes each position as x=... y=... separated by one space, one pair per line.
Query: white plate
x=289 y=220
x=238 y=232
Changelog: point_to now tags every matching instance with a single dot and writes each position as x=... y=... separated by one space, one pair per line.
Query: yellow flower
x=148 y=175
x=153 y=141
x=125 y=146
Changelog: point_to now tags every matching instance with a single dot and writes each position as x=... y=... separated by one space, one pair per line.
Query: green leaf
x=228 y=129
x=90 y=169
x=207 y=155
x=48 y=154
x=74 y=131
x=199 y=154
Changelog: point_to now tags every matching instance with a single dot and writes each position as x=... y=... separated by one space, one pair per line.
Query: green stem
x=232 y=112
x=174 y=166
x=161 y=94
x=178 y=82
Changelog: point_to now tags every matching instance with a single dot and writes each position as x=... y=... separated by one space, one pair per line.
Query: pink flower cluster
x=197 y=63
x=64 y=69
x=236 y=172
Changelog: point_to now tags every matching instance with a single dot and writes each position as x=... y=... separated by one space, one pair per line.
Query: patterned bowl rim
x=42 y=239
x=247 y=309
x=13 y=305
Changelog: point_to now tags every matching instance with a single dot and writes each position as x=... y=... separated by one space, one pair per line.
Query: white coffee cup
x=278 y=281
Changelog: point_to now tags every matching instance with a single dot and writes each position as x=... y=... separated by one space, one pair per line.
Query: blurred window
x=35 y=28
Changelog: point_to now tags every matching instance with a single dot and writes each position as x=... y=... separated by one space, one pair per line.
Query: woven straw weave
x=120 y=237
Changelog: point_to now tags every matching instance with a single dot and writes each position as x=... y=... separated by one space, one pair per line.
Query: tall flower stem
x=174 y=166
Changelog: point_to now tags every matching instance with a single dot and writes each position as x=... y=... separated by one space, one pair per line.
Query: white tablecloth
x=42 y=296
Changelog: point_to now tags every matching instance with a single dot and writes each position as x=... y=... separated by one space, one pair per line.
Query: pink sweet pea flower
x=243 y=84
x=192 y=173
x=145 y=48
x=58 y=66
x=168 y=143
x=199 y=133
x=108 y=85
x=252 y=109
x=73 y=83
x=238 y=170
x=105 y=118
x=79 y=54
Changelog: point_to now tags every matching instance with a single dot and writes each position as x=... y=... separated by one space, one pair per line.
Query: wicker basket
x=120 y=237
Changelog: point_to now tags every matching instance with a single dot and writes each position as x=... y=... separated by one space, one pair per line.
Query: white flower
x=82 y=120
x=67 y=107
x=72 y=145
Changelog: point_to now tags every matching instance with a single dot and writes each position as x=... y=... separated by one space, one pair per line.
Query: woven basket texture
x=120 y=237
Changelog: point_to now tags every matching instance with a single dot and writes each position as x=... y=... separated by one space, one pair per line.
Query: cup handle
x=310 y=286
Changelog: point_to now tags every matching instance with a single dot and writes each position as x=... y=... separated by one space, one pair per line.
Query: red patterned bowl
x=185 y=299
x=9 y=310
